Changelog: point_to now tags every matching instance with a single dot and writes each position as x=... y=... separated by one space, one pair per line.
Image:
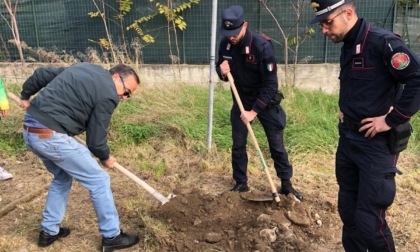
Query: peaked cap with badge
x=232 y=21
x=323 y=8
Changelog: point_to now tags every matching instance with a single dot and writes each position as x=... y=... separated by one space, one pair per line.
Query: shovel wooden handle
x=119 y=167
x=14 y=97
x=143 y=184
x=133 y=177
x=254 y=140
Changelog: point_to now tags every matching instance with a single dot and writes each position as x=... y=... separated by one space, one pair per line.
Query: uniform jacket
x=72 y=100
x=4 y=102
x=373 y=64
x=253 y=67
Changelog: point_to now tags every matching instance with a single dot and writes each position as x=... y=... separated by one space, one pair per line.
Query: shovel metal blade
x=267 y=199
x=256 y=197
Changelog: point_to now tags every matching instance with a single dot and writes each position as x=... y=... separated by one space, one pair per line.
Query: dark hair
x=352 y=4
x=124 y=71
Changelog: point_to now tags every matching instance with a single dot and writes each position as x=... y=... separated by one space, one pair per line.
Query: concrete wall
x=308 y=76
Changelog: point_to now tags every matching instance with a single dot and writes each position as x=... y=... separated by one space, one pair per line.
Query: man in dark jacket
x=249 y=57
x=69 y=101
x=373 y=106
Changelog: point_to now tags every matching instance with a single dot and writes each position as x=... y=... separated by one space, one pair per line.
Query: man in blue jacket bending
x=69 y=101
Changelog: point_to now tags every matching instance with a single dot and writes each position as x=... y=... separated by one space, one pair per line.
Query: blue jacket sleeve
x=38 y=80
x=96 y=131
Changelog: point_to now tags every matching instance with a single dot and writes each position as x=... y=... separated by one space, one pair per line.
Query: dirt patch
x=231 y=222
x=204 y=215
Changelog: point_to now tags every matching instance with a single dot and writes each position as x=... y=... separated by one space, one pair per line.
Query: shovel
x=274 y=193
x=136 y=179
x=119 y=167
x=256 y=197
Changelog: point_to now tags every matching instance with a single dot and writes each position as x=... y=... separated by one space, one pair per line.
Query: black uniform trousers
x=273 y=120
x=365 y=171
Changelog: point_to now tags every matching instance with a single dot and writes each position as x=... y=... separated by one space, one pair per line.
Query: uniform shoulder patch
x=400 y=61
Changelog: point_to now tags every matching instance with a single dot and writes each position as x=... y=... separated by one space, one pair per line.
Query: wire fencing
x=66 y=30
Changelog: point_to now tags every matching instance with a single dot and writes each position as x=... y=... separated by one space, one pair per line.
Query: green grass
x=182 y=112
x=11 y=141
x=131 y=133
x=312 y=122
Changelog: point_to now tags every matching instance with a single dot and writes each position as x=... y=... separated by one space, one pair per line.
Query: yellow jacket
x=4 y=102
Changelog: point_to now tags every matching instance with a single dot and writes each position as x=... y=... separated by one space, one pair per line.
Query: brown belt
x=42 y=133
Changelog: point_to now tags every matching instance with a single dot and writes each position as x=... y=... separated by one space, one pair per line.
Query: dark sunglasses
x=127 y=92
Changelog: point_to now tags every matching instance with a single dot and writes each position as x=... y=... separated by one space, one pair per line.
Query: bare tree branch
x=12 y=8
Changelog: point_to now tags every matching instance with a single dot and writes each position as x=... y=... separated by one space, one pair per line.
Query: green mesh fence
x=65 y=32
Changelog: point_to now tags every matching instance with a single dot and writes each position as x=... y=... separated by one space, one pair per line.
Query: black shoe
x=286 y=188
x=240 y=187
x=46 y=239
x=119 y=242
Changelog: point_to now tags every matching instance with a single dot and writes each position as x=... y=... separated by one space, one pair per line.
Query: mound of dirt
x=231 y=222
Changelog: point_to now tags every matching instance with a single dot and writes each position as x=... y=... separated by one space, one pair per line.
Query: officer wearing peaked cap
x=375 y=110
x=249 y=57
x=324 y=7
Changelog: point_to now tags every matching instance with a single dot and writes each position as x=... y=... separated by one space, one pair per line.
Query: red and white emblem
x=400 y=61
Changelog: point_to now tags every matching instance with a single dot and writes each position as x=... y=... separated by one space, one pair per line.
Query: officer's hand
x=224 y=68
x=374 y=125
x=341 y=116
x=110 y=162
x=248 y=116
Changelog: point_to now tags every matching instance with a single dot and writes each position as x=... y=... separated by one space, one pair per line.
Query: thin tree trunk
x=106 y=28
x=11 y=8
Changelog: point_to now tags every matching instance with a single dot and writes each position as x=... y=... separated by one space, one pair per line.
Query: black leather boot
x=240 y=187
x=119 y=242
x=46 y=239
x=286 y=188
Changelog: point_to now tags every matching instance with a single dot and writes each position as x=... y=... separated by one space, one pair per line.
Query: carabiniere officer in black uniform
x=379 y=93
x=249 y=57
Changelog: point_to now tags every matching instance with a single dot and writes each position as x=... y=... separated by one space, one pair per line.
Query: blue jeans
x=66 y=159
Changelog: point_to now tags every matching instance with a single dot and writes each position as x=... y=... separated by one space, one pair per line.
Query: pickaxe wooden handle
x=136 y=179
x=119 y=167
x=254 y=140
